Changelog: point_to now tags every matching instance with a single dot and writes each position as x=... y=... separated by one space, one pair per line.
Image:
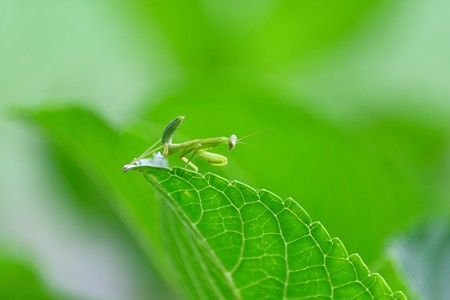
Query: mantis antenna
x=255 y=133
x=149 y=151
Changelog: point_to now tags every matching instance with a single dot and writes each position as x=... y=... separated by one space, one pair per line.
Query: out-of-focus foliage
x=357 y=93
x=18 y=280
x=423 y=257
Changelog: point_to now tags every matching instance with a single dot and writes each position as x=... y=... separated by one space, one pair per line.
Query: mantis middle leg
x=188 y=161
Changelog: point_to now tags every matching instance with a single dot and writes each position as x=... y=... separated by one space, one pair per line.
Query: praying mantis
x=190 y=149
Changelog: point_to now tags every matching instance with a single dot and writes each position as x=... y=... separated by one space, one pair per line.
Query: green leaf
x=233 y=241
x=19 y=280
x=392 y=274
x=98 y=151
x=181 y=256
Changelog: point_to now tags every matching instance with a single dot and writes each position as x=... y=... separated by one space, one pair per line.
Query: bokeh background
x=358 y=93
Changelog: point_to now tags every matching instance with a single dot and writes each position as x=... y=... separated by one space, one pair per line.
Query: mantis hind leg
x=213 y=158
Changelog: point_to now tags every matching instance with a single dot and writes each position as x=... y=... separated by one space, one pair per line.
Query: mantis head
x=232 y=141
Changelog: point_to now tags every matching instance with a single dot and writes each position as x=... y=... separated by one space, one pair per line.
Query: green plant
x=244 y=245
x=228 y=240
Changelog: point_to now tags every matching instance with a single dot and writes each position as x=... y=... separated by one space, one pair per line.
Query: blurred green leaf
x=251 y=244
x=93 y=150
x=18 y=281
x=206 y=36
x=423 y=257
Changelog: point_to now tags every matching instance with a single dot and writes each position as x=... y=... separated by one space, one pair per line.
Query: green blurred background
x=358 y=93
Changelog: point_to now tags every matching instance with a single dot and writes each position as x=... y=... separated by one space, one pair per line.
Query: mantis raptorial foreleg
x=213 y=158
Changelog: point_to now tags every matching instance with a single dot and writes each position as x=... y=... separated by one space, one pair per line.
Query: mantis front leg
x=213 y=158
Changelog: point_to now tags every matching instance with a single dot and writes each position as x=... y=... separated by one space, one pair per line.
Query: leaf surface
x=236 y=242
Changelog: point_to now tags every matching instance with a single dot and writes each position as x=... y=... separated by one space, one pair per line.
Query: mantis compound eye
x=232 y=142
